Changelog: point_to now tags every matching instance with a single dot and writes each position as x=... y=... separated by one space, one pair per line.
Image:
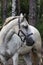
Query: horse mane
x=9 y=19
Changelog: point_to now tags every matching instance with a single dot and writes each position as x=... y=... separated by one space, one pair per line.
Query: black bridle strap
x=30 y=34
x=19 y=22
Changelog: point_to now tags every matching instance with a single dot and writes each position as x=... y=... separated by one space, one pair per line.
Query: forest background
x=32 y=8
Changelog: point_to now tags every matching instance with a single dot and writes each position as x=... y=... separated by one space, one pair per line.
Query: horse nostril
x=29 y=41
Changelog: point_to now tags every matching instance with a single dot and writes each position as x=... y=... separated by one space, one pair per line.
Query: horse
x=18 y=37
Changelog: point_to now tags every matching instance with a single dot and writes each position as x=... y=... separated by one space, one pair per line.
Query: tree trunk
x=32 y=21
x=4 y=9
x=15 y=11
x=32 y=12
x=15 y=7
x=18 y=7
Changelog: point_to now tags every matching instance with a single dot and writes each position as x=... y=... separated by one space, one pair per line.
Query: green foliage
x=0 y=14
x=9 y=8
x=39 y=26
x=41 y=8
x=24 y=5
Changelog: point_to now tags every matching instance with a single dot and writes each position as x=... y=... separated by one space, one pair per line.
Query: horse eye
x=26 y=27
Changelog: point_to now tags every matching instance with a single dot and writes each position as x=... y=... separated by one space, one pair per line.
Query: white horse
x=18 y=37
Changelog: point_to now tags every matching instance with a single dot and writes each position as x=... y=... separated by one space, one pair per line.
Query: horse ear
x=21 y=17
x=24 y=15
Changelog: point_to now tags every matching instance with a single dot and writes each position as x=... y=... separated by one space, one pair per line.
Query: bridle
x=25 y=36
x=20 y=31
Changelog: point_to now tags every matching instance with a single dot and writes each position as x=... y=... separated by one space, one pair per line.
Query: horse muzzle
x=29 y=41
